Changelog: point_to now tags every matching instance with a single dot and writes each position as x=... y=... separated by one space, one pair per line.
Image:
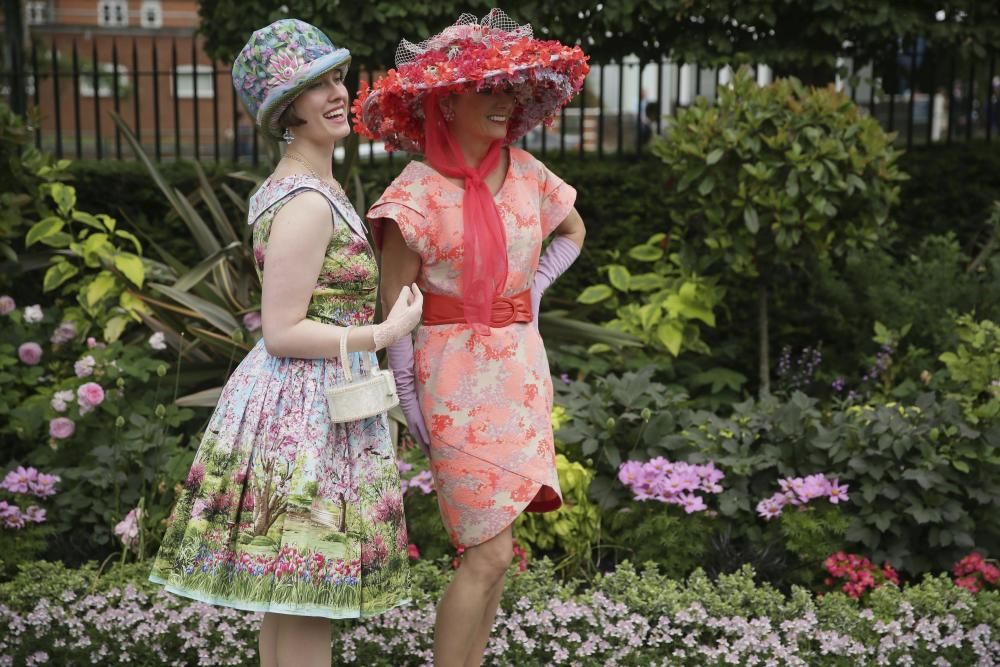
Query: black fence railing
x=180 y=104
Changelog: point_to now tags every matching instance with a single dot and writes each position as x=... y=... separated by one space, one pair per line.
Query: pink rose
x=91 y=342
x=7 y=305
x=90 y=394
x=61 y=428
x=252 y=321
x=30 y=353
x=84 y=367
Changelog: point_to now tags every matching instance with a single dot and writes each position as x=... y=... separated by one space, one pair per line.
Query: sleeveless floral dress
x=284 y=511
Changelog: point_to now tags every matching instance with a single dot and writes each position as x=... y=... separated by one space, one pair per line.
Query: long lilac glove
x=558 y=257
x=402 y=365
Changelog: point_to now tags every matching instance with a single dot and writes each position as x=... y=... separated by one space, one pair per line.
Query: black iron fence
x=180 y=104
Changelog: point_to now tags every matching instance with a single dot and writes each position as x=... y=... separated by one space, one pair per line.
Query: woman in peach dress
x=467 y=225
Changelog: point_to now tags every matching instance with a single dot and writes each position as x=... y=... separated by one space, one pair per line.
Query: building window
x=112 y=13
x=186 y=82
x=105 y=81
x=151 y=14
x=37 y=12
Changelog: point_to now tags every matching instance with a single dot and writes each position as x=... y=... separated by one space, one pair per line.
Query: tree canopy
x=787 y=34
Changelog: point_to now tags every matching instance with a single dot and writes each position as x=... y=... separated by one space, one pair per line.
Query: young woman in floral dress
x=468 y=225
x=283 y=511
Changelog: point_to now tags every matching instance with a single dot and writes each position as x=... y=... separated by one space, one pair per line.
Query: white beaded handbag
x=371 y=394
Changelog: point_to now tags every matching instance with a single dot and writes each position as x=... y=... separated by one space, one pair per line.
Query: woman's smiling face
x=324 y=108
x=481 y=116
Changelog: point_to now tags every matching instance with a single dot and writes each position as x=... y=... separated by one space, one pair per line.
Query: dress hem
x=271 y=608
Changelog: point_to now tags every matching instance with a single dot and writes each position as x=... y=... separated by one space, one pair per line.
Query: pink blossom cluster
x=26 y=482
x=974 y=573
x=423 y=481
x=799 y=491
x=672 y=482
x=858 y=573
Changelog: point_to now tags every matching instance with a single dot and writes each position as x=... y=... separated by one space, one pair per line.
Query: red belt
x=441 y=309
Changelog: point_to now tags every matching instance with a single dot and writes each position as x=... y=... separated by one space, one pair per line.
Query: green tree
x=768 y=180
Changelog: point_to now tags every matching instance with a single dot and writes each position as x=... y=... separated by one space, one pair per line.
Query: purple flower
x=44 y=486
x=64 y=333
x=61 y=428
x=7 y=305
x=10 y=515
x=127 y=529
x=35 y=514
x=565 y=378
x=30 y=353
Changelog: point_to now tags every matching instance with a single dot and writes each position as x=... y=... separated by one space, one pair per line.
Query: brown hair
x=289 y=118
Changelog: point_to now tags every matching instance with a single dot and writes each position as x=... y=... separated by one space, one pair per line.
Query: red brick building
x=141 y=58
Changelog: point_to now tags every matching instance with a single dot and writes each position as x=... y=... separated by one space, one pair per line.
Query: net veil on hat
x=543 y=76
x=278 y=64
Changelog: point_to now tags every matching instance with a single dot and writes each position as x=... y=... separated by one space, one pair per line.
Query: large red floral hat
x=543 y=76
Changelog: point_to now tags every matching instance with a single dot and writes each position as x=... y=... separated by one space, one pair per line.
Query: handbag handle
x=345 y=363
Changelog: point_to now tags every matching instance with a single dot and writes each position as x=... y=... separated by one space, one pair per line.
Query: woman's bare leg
x=267 y=641
x=468 y=603
x=303 y=641
x=482 y=636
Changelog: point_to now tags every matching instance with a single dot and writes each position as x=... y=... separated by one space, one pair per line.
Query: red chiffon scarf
x=484 y=265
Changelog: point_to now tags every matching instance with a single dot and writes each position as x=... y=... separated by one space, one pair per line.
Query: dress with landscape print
x=284 y=511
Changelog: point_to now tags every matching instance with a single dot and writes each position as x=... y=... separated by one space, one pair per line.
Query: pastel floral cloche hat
x=279 y=62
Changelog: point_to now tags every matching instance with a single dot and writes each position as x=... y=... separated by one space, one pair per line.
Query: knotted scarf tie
x=484 y=264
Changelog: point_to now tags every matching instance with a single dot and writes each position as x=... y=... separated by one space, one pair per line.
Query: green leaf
x=595 y=294
x=99 y=288
x=131 y=266
x=43 y=229
x=714 y=156
x=750 y=219
x=671 y=336
x=619 y=277
x=114 y=327
x=646 y=253
x=57 y=274
x=961 y=466
x=647 y=282
x=215 y=315
x=131 y=237
x=706 y=186
x=64 y=196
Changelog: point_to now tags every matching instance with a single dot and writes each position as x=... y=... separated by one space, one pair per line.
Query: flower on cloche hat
x=278 y=63
x=543 y=76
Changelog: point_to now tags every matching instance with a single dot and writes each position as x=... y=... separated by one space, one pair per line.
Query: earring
x=288 y=136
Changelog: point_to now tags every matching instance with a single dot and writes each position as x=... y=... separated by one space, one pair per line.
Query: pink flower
x=90 y=394
x=10 y=515
x=20 y=480
x=85 y=366
x=7 y=305
x=92 y=342
x=837 y=492
x=35 y=514
x=61 y=428
x=44 y=486
x=252 y=321
x=413 y=551
x=283 y=68
x=30 y=353
x=127 y=529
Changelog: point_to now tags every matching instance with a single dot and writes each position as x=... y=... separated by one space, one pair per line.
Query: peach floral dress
x=486 y=400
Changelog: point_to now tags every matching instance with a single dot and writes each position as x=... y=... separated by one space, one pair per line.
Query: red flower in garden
x=413 y=551
x=858 y=573
x=974 y=573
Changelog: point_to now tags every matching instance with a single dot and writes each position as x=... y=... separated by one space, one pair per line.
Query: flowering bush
x=625 y=618
x=674 y=483
x=20 y=536
x=974 y=573
x=858 y=573
x=800 y=490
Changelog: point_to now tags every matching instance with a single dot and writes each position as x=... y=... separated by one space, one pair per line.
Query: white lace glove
x=402 y=319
